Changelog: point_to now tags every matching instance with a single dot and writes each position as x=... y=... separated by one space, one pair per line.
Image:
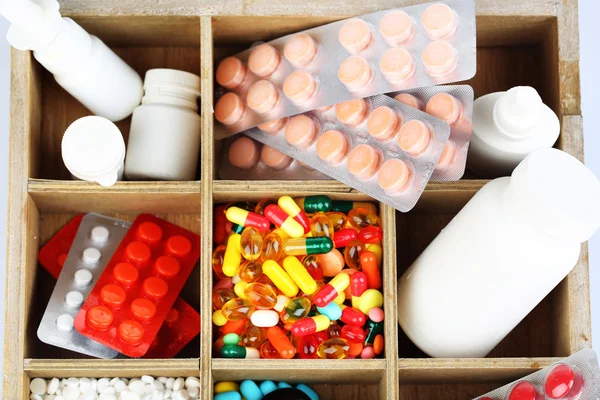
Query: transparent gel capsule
x=307 y=346
x=261 y=205
x=272 y=247
x=295 y=310
x=312 y=266
x=268 y=351
x=265 y=280
x=352 y=253
x=261 y=295
x=338 y=220
x=336 y=349
x=251 y=243
x=254 y=336
x=237 y=309
x=362 y=217
x=320 y=225
x=250 y=271
x=217 y=261
x=370 y=234
x=334 y=331
x=221 y=296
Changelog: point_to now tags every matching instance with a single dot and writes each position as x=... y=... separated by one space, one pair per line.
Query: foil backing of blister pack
x=585 y=365
x=422 y=166
x=48 y=331
x=331 y=53
x=460 y=132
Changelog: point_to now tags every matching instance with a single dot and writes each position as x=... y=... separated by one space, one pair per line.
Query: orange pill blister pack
x=246 y=159
x=377 y=145
x=386 y=51
x=453 y=104
x=139 y=286
x=95 y=242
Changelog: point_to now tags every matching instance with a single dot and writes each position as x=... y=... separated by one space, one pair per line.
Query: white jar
x=507 y=126
x=81 y=63
x=511 y=244
x=93 y=149
x=164 y=139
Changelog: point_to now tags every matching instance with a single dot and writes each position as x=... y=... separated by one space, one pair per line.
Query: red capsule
x=342 y=237
x=353 y=334
x=308 y=345
x=370 y=234
x=358 y=283
x=352 y=316
x=370 y=267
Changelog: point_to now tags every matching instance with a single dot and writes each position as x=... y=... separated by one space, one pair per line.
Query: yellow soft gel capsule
x=233 y=255
x=218 y=318
x=300 y=275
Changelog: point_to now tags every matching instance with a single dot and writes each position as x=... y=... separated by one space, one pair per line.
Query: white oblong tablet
x=64 y=323
x=100 y=234
x=83 y=277
x=74 y=299
x=264 y=318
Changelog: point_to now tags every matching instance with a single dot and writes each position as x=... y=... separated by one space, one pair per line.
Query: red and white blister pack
x=181 y=325
x=575 y=378
x=454 y=105
x=385 y=51
x=138 y=288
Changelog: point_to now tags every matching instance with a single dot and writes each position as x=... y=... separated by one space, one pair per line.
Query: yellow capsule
x=295 y=310
x=362 y=217
x=336 y=348
x=320 y=225
x=273 y=245
x=371 y=298
x=338 y=219
x=239 y=289
x=233 y=256
x=250 y=271
x=341 y=298
x=280 y=278
x=223 y=387
x=251 y=243
x=300 y=275
x=237 y=309
x=261 y=295
x=218 y=318
x=376 y=249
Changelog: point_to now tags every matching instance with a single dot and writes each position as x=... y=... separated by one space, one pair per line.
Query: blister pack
x=378 y=145
x=453 y=104
x=574 y=378
x=95 y=242
x=381 y=52
x=246 y=159
x=139 y=286
x=181 y=325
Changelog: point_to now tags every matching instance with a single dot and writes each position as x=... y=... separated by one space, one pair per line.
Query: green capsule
x=308 y=246
x=345 y=206
x=231 y=338
x=314 y=204
x=237 y=351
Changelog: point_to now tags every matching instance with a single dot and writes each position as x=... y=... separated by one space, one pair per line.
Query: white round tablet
x=64 y=323
x=83 y=277
x=71 y=392
x=100 y=234
x=53 y=386
x=74 y=299
x=91 y=255
x=37 y=386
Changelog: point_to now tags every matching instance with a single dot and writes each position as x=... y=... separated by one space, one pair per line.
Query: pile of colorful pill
x=267 y=390
x=298 y=278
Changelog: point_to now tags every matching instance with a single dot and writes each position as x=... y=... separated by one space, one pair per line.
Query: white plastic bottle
x=507 y=126
x=93 y=149
x=164 y=139
x=511 y=244
x=81 y=63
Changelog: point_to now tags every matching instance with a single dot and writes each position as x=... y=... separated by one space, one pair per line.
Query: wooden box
x=520 y=42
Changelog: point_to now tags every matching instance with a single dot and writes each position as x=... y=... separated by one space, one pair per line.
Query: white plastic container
x=93 y=149
x=507 y=126
x=513 y=242
x=81 y=63
x=164 y=139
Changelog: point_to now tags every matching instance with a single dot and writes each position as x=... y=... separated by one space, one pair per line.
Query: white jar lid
x=93 y=149
x=171 y=86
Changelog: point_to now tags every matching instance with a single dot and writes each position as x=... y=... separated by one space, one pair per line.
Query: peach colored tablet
x=410 y=100
x=383 y=123
x=264 y=60
x=301 y=131
x=355 y=35
x=397 y=65
x=231 y=73
x=364 y=161
x=300 y=50
x=448 y=157
x=243 y=153
x=299 y=86
x=439 y=58
x=414 y=138
x=262 y=97
x=397 y=28
x=445 y=107
x=229 y=110
x=332 y=147
x=439 y=21
x=272 y=127
x=355 y=73
x=395 y=176
x=352 y=112
x=274 y=159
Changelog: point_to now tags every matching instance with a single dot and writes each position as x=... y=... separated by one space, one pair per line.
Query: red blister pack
x=140 y=284
x=182 y=323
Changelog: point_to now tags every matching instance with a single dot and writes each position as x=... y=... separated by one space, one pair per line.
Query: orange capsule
x=355 y=349
x=233 y=327
x=280 y=342
x=378 y=344
x=369 y=265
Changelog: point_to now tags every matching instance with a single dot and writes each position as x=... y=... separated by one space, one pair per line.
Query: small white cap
x=558 y=194
x=171 y=86
x=100 y=234
x=74 y=299
x=91 y=255
x=518 y=112
x=93 y=149
x=64 y=323
x=83 y=277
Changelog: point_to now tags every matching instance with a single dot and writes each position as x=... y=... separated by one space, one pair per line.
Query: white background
x=590 y=87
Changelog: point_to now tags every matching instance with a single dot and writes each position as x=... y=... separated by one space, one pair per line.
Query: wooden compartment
x=531 y=42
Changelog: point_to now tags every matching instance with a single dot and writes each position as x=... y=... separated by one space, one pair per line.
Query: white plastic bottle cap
x=100 y=234
x=557 y=193
x=91 y=255
x=93 y=149
x=518 y=112
x=170 y=86
x=64 y=322
x=74 y=299
x=83 y=277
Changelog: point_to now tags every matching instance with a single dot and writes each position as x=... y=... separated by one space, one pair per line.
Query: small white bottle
x=93 y=149
x=507 y=126
x=164 y=139
x=511 y=244
x=81 y=63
